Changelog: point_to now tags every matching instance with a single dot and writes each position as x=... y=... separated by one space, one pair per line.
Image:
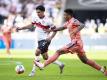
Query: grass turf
x=74 y=69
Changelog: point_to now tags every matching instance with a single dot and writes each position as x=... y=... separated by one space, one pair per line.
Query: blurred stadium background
x=94 y=17
x=93 y=13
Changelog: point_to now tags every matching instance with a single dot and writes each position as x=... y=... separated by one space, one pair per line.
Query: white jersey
x=41 y=24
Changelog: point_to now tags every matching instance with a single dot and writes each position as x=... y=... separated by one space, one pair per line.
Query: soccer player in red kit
x=7 y=37
x=75 y=46
x=7 y=29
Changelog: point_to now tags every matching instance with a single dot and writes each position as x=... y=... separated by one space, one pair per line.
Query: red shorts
x=74 y=47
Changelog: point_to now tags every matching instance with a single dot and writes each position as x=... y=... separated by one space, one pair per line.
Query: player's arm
x=80 y=27
x=25 y=27
x=54 y=29
x=59 y=29
x=51 y=34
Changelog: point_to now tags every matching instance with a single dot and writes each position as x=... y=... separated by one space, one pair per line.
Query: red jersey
x=76 y=44
x=72 y=25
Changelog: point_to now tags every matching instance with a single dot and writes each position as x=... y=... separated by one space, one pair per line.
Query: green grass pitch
x=74 y=69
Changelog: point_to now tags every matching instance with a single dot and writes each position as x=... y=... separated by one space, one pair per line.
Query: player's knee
x=60 y=52
x=45 y=57
x=37 y=53
x=84 y=60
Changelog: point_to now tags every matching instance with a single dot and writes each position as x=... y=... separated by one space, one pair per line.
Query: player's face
x=66 y=16
x=40 y=13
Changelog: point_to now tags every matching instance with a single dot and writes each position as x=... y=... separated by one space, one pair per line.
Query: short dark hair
x=69 y=12
x=40 y=7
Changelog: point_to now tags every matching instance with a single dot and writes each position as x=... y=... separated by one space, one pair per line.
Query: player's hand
x=13 y=29
x=47 y=30
x=17 y=29
x=54 y=30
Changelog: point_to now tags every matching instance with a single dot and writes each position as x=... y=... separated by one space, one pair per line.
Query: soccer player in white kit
x=43 y=24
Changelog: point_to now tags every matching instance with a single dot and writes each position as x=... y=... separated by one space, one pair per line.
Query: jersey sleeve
x=76 y=23
x=33 y=20
x=33 y=17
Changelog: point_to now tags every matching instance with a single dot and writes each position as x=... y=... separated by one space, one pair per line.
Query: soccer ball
x=19 y=69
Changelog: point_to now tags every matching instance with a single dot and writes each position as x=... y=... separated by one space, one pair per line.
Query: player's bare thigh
x=70 y=48
x=76 y=46
x=82 y=57
x=37 y=52
x=81 y=53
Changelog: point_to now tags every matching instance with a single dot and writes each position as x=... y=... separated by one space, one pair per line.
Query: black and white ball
x=19 y=69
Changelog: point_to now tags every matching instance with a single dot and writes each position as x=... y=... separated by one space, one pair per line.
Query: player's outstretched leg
x=61 y=68
x=92 y=63
x=47 y=62
x=41 y=66
x=105 y=70
x=60 y=64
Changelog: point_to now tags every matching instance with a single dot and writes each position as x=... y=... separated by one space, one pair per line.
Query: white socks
x=37 y=58
x=102 y=69
x=58 y=63
x=34 y=68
